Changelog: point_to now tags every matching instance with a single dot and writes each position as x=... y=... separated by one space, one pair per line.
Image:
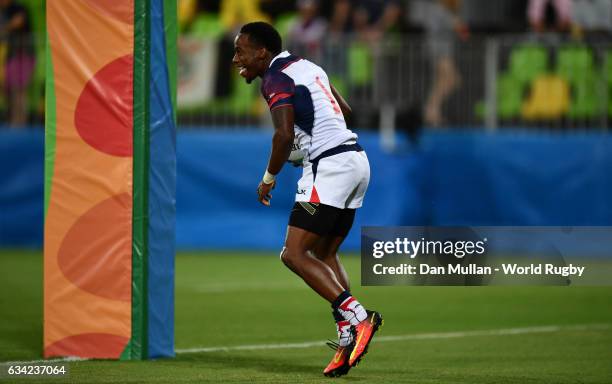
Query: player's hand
x=263 y=192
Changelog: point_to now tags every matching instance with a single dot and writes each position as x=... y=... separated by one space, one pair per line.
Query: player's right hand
x=263 y=192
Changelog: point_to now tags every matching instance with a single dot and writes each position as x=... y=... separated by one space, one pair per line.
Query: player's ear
x=261 y=53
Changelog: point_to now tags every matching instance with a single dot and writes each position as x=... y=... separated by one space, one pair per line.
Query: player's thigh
x=328 y=245
x=300 y=240
x=314 y=217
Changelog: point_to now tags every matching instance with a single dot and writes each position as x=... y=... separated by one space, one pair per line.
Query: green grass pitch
x=430 y=333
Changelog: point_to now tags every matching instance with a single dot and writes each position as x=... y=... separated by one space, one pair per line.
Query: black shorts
x=324 y=220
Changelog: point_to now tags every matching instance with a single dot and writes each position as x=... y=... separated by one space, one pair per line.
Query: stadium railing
x=504 y=81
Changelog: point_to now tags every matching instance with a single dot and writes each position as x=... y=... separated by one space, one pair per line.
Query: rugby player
x=307 y=109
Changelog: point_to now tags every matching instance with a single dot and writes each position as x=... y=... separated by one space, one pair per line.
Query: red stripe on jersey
x=277 y=97
x=314 y=196
x=344 y=306
x=329 y=96
x=343 y=323
x=280 y=106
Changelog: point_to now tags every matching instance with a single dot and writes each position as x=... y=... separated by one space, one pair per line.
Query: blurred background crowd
x=536 y=72
x=400 y=63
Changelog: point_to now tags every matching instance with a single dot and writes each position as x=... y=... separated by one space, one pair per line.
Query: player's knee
x=284 y=256
x=288 y=256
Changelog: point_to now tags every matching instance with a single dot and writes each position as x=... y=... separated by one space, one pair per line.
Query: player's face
x=247 y=58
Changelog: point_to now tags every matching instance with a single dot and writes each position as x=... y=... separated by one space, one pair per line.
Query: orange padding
x=88 y=225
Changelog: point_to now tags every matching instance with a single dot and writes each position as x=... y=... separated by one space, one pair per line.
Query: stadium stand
x=549 y=99
x=393 y=71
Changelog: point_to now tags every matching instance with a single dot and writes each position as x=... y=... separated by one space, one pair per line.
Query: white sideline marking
x=45 y=361
x=378 y=339
x=417 y=336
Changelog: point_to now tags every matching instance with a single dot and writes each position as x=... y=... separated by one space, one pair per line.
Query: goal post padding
x=110 y=179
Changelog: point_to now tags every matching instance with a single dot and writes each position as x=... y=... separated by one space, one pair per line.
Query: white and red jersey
x=319 y=124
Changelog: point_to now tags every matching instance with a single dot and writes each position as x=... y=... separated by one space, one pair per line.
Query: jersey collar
x=280 y=56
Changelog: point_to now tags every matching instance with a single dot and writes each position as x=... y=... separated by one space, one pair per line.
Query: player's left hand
x=263 y=192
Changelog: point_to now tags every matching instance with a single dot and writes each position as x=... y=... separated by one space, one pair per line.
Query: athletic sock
x=343 y=327
x=349 y=308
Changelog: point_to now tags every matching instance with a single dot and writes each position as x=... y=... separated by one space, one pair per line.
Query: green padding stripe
x=50 y=124
x=127 y=352
x=141 y=176
x=171 y=32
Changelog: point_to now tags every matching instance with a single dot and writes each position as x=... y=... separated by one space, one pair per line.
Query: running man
x=336 y=172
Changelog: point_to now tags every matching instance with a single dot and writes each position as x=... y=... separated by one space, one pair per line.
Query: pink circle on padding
x=95 y=254
x=104 y=111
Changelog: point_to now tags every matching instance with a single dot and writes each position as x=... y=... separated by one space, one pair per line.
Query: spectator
x=593 y=17
x=339 y=21
x=537 y=14
x=186 y=12
x=308 y=31
x=276 y=8
x=374 y=18
x=234 y=13
x=19 y=59
x=442 y=26
x=334 y=48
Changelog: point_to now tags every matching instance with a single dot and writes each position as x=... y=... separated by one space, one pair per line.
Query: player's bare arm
x=282 y=118
x=344 y=107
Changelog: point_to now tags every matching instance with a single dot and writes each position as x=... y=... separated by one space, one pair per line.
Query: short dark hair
x=263 y=35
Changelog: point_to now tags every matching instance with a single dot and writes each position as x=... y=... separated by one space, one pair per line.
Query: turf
x=229 y=299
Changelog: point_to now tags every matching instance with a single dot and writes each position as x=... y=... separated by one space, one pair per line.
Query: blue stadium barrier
x=22 y=187
x=510 y=178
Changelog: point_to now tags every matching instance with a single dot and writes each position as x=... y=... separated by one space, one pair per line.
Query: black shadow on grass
x=228 y=360
x=280 y=364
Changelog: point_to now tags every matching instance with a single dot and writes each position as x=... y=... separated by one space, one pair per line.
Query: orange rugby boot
x=339 y=365
x=364 y=332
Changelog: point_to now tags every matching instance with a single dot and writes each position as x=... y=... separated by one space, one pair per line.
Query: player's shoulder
x=274 y=76
x=281 y=63
x=275 y=80
x=304 y=71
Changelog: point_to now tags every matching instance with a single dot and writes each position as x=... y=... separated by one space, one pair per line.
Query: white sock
x=345 y=336
x=352 y=311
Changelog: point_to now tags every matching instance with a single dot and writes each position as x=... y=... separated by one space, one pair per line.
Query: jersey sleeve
x=278 y=90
